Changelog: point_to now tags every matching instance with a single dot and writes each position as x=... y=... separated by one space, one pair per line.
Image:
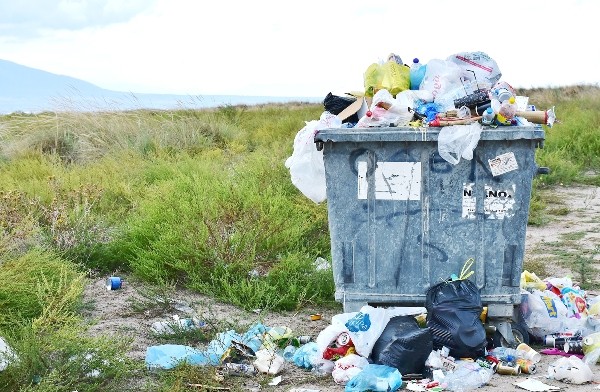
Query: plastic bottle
x=417 y=72
x=508 y=354
x=171 y=327
x=508 y=110
x=488 y=116
x=467 y=377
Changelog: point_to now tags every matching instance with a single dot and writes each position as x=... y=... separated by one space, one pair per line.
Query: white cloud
x=305 y=48
x=25 y=18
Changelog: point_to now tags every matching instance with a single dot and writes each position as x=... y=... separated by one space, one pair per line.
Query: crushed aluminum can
x=238 y=369
x=304 y=339
x=526 y=366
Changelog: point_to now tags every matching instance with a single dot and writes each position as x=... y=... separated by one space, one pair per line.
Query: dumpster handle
x=319 y=145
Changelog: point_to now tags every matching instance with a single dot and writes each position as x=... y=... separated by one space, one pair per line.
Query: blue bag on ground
x=168 y=356
x=403 y=345
x=376 y=378
x=305 y=356
x=453 y=311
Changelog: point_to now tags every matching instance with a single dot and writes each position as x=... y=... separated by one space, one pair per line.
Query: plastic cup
x=530 y=353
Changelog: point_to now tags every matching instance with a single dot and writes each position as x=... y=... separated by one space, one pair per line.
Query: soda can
x=508 y=368
x=238 y=369
x=343 y=339
x=526 y=366
x=560 y=340
x=304 y=339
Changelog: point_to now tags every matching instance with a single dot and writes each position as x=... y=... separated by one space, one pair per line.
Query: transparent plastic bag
x=458 y=141
x=467 y=376
x=441 y=77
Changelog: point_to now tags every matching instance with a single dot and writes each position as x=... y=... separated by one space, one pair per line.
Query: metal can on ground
x=508 y=368
x=526 y=366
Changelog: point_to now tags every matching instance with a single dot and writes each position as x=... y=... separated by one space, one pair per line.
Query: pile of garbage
x=460 y=97
x=462 y=89
x=442 y=346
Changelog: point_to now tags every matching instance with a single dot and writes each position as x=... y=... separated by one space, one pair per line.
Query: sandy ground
x=131 y=310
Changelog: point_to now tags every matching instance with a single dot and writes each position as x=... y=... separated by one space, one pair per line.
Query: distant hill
x=31 y=90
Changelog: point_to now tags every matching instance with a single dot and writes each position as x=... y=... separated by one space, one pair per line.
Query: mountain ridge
x=32 y=90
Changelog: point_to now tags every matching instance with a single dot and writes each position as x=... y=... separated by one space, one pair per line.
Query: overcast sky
x=283 y=48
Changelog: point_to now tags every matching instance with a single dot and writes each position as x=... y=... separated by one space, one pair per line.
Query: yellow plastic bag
x=529 y=280
x=390 y=76
x=396 y=77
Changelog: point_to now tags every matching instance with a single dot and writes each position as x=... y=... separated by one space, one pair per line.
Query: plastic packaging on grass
x=376 y=378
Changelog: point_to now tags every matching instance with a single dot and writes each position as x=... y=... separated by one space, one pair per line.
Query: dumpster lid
x=421 y=134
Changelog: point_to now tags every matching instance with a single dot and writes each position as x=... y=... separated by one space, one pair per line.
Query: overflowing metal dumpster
x=402 y=218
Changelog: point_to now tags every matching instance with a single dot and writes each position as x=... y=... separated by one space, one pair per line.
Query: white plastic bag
x=347 y=367
x=572 y=370
x=268 y=361
x=477 y=65
x=366 y=327
x=306 y=163
x=543 y=313
x=441 y=77
x=384 y=111
x=7 y=355
x=458 y=141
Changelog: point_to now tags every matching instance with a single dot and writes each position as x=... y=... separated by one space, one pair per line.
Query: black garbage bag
x=334 y=104
x=453 y=311
x=403 y=345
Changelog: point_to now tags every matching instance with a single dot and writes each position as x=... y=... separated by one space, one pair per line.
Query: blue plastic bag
x=168 y=356
x=306 y=355
x=376 y=378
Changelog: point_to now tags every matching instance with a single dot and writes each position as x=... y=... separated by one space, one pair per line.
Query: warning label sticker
x=503 y=164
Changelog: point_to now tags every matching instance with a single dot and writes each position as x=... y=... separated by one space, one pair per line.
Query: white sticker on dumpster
x=499 y=203
x=393 y=181
x=363 y=184
x=469 y=201
x=503 y=164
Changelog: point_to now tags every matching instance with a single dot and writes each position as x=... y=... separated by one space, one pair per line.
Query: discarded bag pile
x=442 y=346
x=462 y=89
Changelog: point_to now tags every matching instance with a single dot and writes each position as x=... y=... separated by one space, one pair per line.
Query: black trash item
x=453 y=311
x=403 y=345
x=334 y=104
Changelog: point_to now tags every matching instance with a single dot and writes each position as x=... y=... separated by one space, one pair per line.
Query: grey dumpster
x=402 y=219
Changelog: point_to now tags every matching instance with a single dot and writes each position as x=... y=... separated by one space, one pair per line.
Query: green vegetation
x=189 y=199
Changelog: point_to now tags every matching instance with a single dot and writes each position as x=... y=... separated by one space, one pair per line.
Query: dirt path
x=567 y=244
